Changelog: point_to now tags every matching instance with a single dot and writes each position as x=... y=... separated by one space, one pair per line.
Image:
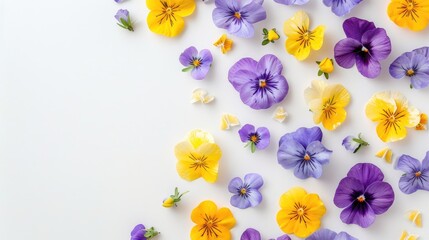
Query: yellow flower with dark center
x=166 y=16
x=300 y=212
x=198 y=156
x=300 y=39
x=327 y=102
x=393 y=115
x=211 y=223
x=224 y=43
x=412 y=14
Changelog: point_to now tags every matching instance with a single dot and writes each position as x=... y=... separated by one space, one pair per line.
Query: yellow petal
x=280 y=114
x=205 y=208
x=331 y=120
x=315 y=91
x=160 y=24
x=317 y=34
x=226 y=218
x=404 y=235
x=417 y=21
x=224 y=43
x=299 y=21
x=296 y=194
x=286 y=224
x=388 y=156
x=154 y=5
x=415 y=216
x=184 y=7
x=379 y=104
x=382 y=152
x=316 y=107
x=228 y=120
x=390 y=133
x=185 y=165
x=212 y=153
x=197 y=137
x=295 y=47
x=201 y=95
x=339 y=94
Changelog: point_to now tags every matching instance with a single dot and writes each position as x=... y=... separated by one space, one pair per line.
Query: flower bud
x=169 y=202
x=272 y=35
x=326 y=65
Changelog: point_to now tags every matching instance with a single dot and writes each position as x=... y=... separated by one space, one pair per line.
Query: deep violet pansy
x=363 y=195
x=364 y=46
x=253 y=234
x=260 y=83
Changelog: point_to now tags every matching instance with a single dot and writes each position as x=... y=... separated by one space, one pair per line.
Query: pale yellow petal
x=316 y=40
x=280 y=114
x=378 y=105
x=338 y=93
x=333 y=119
x=415 y=217
x=197 y=137
x=413 y=117
x=295 y=24
x=315 y=91
x=228 y=120
x=388 y=156
x=404 y=235
x=211 y=154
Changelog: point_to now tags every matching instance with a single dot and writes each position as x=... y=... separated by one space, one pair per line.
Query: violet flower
x=341 y=7
x=363 y=195
x=303 y=151
x=141 y=233
x=326 y=234
x=124 y=19
x=416 y=174
x=364 y=46
x=238 y=16
x=253 y=234
x=292 y=2
x=119 y=1
x=414 y=65
x=259 y=138
x=260 y=84
x=246 y=193
x=198 y=63
x=353 y=144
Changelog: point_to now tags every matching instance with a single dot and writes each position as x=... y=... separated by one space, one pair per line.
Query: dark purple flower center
x=254 y=137
x=264 y=84
x=244 y=191
x=196 y=62
x=361 y=198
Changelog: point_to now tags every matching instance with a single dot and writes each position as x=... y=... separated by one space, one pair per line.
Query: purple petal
x=420 y=79
x=138 y=232
x=343 y=7
x=366 y=173
x=424 y=51
x=408 y=164
x=227 y=4
x=344 y=236
x=250 y=234
x=206 y=57
x=368 y=66
x=285 y=2
x=350 y=144
x=122 y=14
x=408 y=183
x=318 y=152
x=242 y=72
x=378 y=43
x=306 y=169
x=240 y=202
x=241 y=29
x=278 y=88
x=222 y=17
x=345 y=52
x=381 y=197
x=187 y=56
x=246 y=131
x=346 y=191
x=235 y=185
x=304 y=136
x=255 y=99
x=199 y=73
x=399 y=67
x=328 y=3
x=264 y=135
x=323 y=234
x=284 y=237
x=253 y=180
x=254 y=197
x=253 y=12
x=269 y=64
x=356 y=27
x=361 y=215
x=290 y=153
x=425 y=163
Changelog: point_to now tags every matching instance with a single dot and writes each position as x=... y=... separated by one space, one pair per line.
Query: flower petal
x=399 y=67
x=290 y=154
x=344 y=236
x=138 y=232
x=235 y=185
x=251 y=234
x=378 y=43
x=199 y=73
x=207 y=207
x=425 y=163
x=318 y=152
x=306 y=169
x=408 y=164
x=304 y=136
x=240 y=201
x=379 y=103
x=264 y=135
x=343 y=7
x=254 y=197
x=366 y=173
x=317 y=34
x=323 y=234
x=347 y=188
x=241 y=28
x=253 y=12
x=345 y=52
x=381 y=197
x=246 y=131
x=368 y=66
x=391 y=133
x=295 y=47
x=356 y=27
x=408 y=183
x=222 y=17
x=269 y=64
x=185 y=8
x=361 y=215
x=253 y=180
x=157 y=24
x=293 y=25
x=227 y=220
x=420 y=80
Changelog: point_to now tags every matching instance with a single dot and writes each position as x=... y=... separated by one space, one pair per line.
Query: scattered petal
x=415 y=217
x=228 y=120
x=280 y=114
x=201 y=95
x=386 y=154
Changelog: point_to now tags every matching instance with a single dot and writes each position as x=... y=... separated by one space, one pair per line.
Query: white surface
x=90 y=114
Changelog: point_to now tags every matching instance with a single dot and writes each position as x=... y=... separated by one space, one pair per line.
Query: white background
x=90 y=114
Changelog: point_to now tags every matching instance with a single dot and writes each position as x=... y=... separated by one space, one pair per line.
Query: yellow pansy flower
x=412 y=14
x=393 y=115
x=166 y=16
x=300 y=212
x=300 y=40
x=211 y=223
x=224 y=43
x=327 y=102
x=198 y=156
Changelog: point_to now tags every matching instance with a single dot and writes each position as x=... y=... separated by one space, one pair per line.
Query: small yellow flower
x=166 y=16
x=169 y=202
x=198 y=156
x=224 y=43
x=300 y=212
x=327 y=102
x=393 y=115
x=211 y=223
x=423 y=122
x=300 y=39
x=412 y=14
x=272 y=35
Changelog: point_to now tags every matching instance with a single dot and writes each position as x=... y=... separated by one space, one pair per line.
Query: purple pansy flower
x=246 y=193
x=414 y=65
x=303 y=151
x=198 y=63
x=253 y=234
x=364 y=46
x=363 y=194
x=416 y=176
x=259 y=138
x=292 y=2
x=326 y=234
x=124 y=19
x=341 y=7
x=138 y=232
x=260 y=84
x=238 y=16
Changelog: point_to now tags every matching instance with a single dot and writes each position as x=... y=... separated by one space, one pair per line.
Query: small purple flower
x=246 y=194
x=259 y=139
x=341 y=7
x=364 y=46
x=253 y=234
x=353 y=144
x=260 y=84
x=326 y=234
x=141 y=233
x=303 y=151
x=119 y=1
x=124 y=19
x=292 y=2
x=363 y=194
x=198 y=63
x=238 y=16
x=416 y=176
x=414 y=65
